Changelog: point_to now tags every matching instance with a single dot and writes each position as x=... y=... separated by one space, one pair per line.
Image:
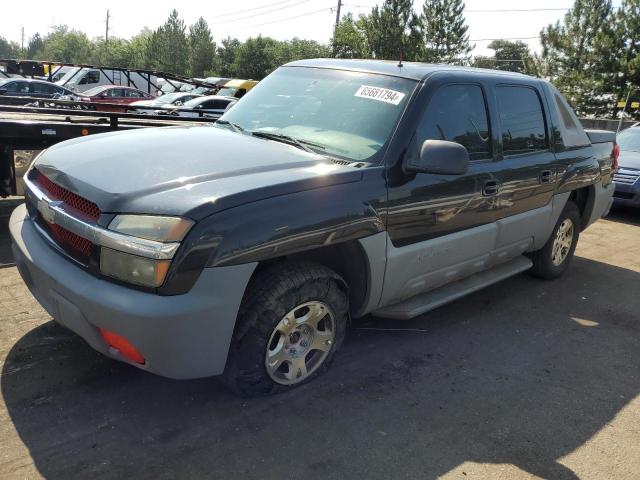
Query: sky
x=280 y=19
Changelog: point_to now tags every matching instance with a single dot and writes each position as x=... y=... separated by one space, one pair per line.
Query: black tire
x=543 y=265
x=271 y=294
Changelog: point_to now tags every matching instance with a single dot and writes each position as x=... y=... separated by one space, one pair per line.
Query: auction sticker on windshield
x=379 y=94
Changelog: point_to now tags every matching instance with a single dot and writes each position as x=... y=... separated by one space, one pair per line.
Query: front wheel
x=290 y=324
x=554 y=258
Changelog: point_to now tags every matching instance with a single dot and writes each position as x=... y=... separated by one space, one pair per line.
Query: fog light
x=123 y=345
x=132 y=268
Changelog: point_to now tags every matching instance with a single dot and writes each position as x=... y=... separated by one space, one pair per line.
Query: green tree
x=349 y=39
x=445 y=32
x=114 y=53
x=139 y=50
x=7 y=49
x=391 y=29
x=577 y=55
x=508 y=56
x=202 y=49
x=168 y=47
x=626 y=43
x=35 y=47
x=226 y=57
x=256 y=58
x=69 y=46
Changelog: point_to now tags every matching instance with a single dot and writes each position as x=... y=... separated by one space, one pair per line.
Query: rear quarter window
x=566 y=123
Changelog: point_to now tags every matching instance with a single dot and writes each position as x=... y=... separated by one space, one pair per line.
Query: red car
x=115 y=94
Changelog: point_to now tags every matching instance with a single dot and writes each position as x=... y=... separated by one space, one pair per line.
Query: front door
x=442 y=227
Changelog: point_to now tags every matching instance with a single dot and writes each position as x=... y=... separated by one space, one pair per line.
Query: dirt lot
x=525 y=379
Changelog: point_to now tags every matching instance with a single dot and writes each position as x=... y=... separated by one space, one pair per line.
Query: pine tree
x=445 y=32
x=349 y=39
x=578 y=54
x=392 y=29
x=626 y=38
x=202 y=49
x=168 y=46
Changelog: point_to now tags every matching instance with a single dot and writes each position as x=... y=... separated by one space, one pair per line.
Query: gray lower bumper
x=183 y=336
x=627 y=195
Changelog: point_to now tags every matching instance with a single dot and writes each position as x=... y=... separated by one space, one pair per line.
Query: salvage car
x=170 y=100
x=108 y=98
x=332 y=190
x=627 y=178
x=211 y=106
x=37 y=89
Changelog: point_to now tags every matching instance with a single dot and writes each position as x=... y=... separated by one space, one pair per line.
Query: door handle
x=545 y=177
x=490 y=187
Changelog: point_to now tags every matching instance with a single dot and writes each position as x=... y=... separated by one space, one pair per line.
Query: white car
x=211 y=106
x=169 y=100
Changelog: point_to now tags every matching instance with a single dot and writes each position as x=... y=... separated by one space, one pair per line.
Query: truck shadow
x=628 y=215
x=521 y=373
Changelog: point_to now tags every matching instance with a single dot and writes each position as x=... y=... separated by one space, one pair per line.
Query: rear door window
x=521 y=120
x=457 y=113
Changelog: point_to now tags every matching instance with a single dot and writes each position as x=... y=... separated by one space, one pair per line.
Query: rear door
x=528 y=168
x=442 y=227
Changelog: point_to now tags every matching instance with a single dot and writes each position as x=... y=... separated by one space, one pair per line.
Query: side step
x=424 y=302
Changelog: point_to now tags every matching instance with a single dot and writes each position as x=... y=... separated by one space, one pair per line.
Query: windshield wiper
x=279 y=137
x=235 y=126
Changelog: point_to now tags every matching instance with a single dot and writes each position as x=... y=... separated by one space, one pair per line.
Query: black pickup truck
x=332 y=190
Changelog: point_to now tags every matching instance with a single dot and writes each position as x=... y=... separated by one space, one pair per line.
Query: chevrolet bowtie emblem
x=47 y=211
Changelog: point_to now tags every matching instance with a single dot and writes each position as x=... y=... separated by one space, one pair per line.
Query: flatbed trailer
x=27 y=130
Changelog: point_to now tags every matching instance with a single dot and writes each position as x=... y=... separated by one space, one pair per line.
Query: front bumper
x=627 y=194
x=182 y=336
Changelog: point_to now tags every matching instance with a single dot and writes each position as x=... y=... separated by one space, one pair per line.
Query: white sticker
x=379 y=94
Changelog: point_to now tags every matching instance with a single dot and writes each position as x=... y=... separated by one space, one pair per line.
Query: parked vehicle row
x=627 y=178
x=332 y=190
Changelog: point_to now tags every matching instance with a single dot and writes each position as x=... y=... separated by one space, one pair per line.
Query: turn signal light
x=123 y=345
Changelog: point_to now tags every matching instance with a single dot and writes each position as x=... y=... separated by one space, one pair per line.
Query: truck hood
x=629 y=159
x=192 y=171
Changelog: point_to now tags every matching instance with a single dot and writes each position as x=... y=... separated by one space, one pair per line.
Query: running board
x=424 y=302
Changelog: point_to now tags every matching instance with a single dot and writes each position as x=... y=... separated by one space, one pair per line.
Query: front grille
x=71 y=201
x=628 y=177
x=74 y=245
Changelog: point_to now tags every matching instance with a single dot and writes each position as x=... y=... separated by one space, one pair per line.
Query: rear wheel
x=291 y=322
x=554 y=258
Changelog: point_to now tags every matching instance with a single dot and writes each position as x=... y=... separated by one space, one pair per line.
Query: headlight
x=136 y=269
x=133 y=269
x=160 y=229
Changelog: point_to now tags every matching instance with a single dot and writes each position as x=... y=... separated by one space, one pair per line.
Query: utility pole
x=22 y=39
x=335 y=29
x=338 y=12
x=106 y=32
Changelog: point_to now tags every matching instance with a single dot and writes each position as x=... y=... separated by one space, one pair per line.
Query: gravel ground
x=524 y=379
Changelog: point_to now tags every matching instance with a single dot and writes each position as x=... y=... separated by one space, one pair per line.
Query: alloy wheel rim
x=300 y=343
x=562 y=243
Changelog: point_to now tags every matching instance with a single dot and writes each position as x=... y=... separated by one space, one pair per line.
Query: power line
x=230 y=14
x=233 y=20
x=284 y=19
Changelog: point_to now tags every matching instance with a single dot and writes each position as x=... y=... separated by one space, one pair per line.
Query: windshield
x=193 y=102
x=346 y=114
x=629 y=140
x=73 y=72
x=168 y=98
x=92 y=92
x=228 y=91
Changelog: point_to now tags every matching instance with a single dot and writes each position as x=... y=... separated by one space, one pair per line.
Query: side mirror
x=440 y=157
